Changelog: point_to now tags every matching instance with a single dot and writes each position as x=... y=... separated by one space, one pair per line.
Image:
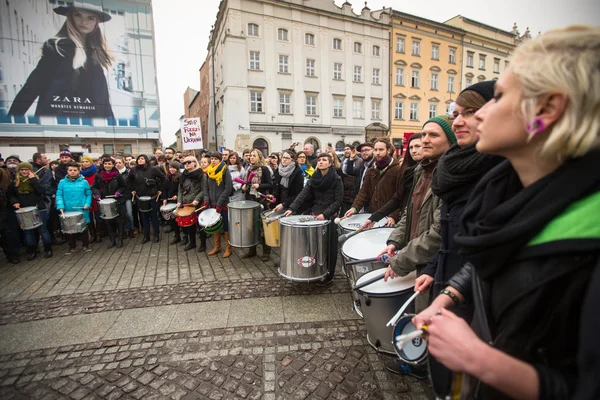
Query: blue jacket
x=72 y=194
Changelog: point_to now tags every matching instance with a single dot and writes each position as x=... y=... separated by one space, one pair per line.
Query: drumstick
x=395 y=318
x=112 y=195
x=338 y=220
x=200 y=209
x=347 y=236
x=368 y=282
x=384 y=257
x=158 y=195
x=401 y=340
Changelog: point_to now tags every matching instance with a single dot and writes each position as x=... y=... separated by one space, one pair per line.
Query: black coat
x=170 y=188
x=63 y=90
x=33 y=199
x=265 y=186
x=116 y=184
x=145 y=181
x=286 y=196
x=327 y=202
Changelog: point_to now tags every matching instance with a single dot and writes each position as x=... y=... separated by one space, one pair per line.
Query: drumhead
x=356 y=221
x=270 y=216
x=391 y=286
x=209 y=217
x=168 y=207
x=243 y=204
x=73 y=214
x=413 y=351
x=107 y=201
x=302 y=220
x=185 y=211
x=366 y=244
x=25 y=210
x=145 y=198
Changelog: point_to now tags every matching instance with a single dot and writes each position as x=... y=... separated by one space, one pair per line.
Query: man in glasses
x=351 y=165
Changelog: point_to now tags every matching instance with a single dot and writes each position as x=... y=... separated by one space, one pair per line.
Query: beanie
x=65 y=153
x=87 y=158
x=25 y=165
x=444 y=122
x=485 y=89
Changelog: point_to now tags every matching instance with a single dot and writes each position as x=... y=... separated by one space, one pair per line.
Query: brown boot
x=227 y=246
x=217 y=248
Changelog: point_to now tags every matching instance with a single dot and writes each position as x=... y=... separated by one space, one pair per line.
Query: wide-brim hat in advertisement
x=102 y=16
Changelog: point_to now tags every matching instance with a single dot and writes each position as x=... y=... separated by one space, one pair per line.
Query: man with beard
x=366 y=153
x=169 y=155
x=60 y=172
x=12 y=162
x=226 y=153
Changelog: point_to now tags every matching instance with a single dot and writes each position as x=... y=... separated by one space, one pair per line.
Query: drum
x=270 y=222
x=168 y=211
x=186 y=216
x=304 y=248
x=73 y=222
x=364 y=245
x=108 y=208
x=351 y=224
x=379 y=302
x=413 y=352
x=211 y=221
x=244 y=223
x=144 y=204
x=29 y=218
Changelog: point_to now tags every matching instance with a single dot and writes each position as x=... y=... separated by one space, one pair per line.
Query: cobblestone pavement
x=310 y=360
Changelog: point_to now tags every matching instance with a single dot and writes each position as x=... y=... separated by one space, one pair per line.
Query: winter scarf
x=25 y=186
x=90 y=171
x=321 y=183
x=285 y=173
x=215 y=172
x=382 y=164
x=107 y=176
x=459 y=169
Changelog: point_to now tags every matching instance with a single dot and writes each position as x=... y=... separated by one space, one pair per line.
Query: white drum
x=380 y=301
x=168 y=211
x=73 y=222
x=413 y=352
x=351 y=224
x=108 y=208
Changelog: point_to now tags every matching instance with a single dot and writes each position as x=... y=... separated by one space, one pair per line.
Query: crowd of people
x=496 y=208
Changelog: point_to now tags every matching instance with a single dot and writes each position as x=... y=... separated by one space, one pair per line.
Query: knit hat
x=485 y=89
x=444 y=122
x=13 y=157
x=25 y=165
x=66 y=153
x=87 y=158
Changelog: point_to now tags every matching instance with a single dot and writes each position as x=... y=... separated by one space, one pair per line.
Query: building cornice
x=425 y=22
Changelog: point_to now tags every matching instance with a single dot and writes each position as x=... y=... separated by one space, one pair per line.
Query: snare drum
x=244 y=223
x=145 y=204
x=365 y=244
x=304 y=248
x=270 y=222
x=210 y=220
x=186 y=216
x=413 y=352
x=73 y=222
x=29 y=218
x=354 y=222
x=168 y=211
x=380 y=301
x=108 y=208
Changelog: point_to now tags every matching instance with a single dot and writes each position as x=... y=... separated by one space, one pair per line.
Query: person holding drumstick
x=109 y=183
x=145 y=180
x=324 y=195
x=191 y=192
x=75 y=194
x=169 y=195
x=288 y=182
x=217 y=188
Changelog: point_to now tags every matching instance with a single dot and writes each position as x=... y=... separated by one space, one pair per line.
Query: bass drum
x=304 y=248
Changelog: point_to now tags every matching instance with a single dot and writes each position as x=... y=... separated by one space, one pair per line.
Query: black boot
x=119 y=237
x=251 y=253
x=185 y=240
x=202 y=241
x=146 y=238
x=156 y=238
x=31 y=252
x=47 y=251
x=13 y=258
x=111 y=235
x=176 y=238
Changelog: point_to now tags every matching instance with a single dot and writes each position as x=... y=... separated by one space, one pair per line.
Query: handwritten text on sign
x=191 y=134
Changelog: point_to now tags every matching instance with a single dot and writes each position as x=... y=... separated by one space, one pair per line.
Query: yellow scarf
x=216 y=172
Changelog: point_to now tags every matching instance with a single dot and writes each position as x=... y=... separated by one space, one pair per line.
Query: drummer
x=234 y=165
x=191 y=193
x=260 y=183
x=145 y=180
x=324 y=195
x=28 y=191
x=288 y=182
x=169 y=195
x=217 y=188
x=380 y=182
x=109 y=183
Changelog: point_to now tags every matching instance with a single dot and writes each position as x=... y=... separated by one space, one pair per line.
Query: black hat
x=485 y=89
x=102 y=16
x=368 y=144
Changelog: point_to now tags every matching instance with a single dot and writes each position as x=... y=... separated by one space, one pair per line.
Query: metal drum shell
x=168 y=211
x=145 y=204
x=29 y=218
x=272 y=228
x=379 y=307
x=244 y=223
x=109 y=208
x=72 y=222
x=304 y=249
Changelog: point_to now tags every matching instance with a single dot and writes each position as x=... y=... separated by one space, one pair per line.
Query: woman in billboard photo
x=69 y=80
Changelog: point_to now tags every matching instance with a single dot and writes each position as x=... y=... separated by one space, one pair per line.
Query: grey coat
x=218 y=195
x=191 y=187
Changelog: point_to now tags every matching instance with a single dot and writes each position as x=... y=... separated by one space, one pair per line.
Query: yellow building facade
x=425 y=68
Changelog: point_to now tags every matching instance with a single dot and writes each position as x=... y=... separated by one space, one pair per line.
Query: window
x=452 y=55
x=282 y=34
x=357 y=108
x=358 y=47
x=468 y=82
x=285 y=106
x=376 y=51
x=470 y=58
x=108 y=149
x=400 y=76
x=311 y=104
x=496 y=65
x=506 y=64
x=310 y=67
x=400 y=41
x=255 y=60
x=256 y=101
x=415 y=79
x=252 y=30
x=284 y=64
x=416 y=47
x=450 y=84
x=375 y=109
x=337 y=71
x=434 y=81
x=338 y=107
x=432 y=110
x=482 y=62
x=309 y=39
x=337 y=44
x=414 y=111
x=357 y=73
x=127 y=149
x=435 y=52
x=398 y=110
x=376 y=73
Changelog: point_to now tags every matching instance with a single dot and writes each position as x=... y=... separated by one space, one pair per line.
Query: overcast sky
x=182 y=28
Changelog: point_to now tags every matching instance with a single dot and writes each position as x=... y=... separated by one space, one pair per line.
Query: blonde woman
x=529 y=233
x=73 y=65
